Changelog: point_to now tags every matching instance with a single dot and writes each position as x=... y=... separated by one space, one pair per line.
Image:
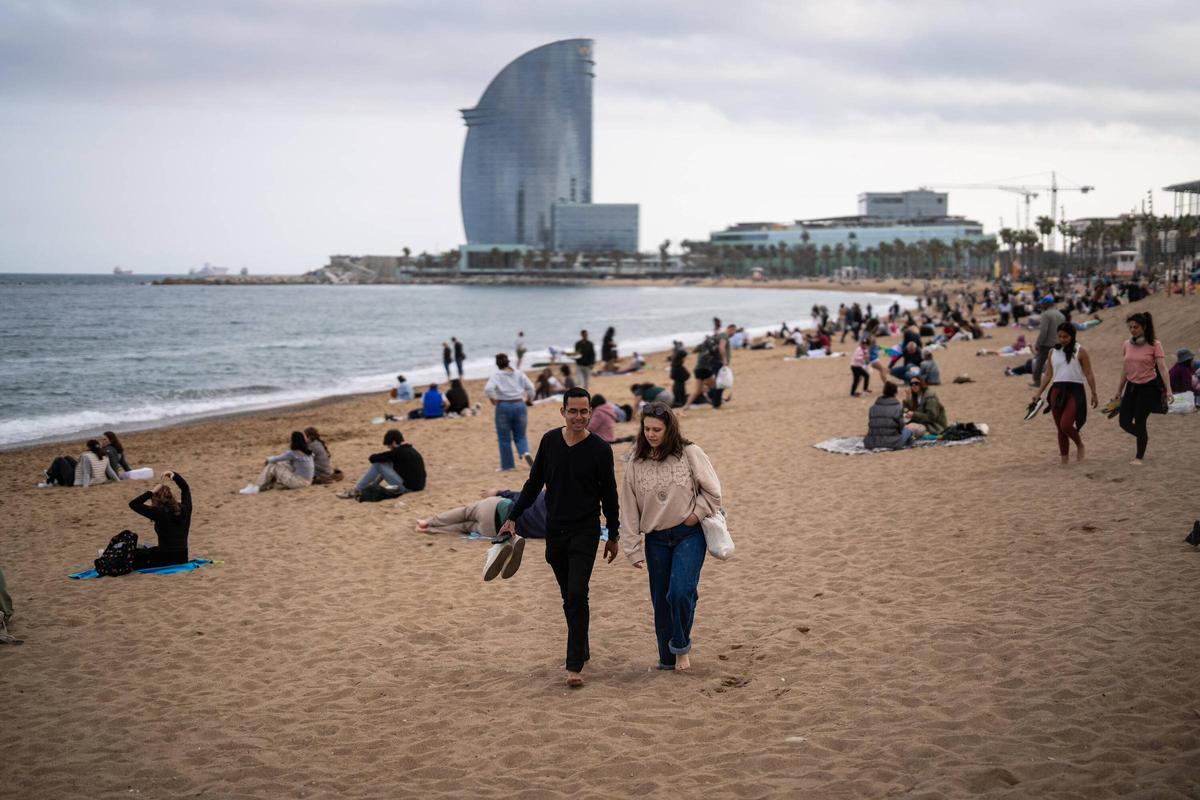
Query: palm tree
x=936 y=249
x=783 y=264
x=885 y=252
x=1045 y=226
x=826 y=251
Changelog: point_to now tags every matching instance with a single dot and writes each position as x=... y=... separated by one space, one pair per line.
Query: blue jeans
x=510 y=427
x=906 y=436
x=378 y=472
x=673 y=560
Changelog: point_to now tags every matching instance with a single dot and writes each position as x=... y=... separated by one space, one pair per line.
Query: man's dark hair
x=598 y=400
x=577 y=391
x=393 y=437
x=502 y=360
x=889 y=389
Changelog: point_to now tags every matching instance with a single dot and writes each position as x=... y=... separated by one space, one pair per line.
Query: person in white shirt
x=510 y=391
x=520 y=347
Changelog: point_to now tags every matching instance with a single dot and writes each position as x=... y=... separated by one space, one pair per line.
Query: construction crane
x=1029 y=193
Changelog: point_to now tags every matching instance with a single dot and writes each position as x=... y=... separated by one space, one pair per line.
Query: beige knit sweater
x=657 y=495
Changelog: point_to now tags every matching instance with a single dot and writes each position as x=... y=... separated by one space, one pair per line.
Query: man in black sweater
x=400 y=465
x=576 y=468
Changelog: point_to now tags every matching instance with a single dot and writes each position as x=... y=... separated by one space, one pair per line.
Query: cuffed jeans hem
x=680 y=651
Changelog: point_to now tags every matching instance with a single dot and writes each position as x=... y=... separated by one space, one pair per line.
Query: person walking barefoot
x=1144 y=380
x=669 y=486
x=576 y=467
x=1068 y=367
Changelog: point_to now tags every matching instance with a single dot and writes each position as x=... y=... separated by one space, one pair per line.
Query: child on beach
x=858 y=367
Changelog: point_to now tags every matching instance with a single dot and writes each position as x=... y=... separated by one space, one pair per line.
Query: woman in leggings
x=1069 y=367
x=1144 y=381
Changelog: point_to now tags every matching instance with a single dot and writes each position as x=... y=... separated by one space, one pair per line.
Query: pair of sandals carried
x=504 y=556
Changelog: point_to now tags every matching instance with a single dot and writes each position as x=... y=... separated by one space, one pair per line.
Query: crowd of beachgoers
x=666 y=510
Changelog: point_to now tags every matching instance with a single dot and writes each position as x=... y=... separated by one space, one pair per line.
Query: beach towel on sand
x=813 y=355
x=188 y=566
x=853 y=445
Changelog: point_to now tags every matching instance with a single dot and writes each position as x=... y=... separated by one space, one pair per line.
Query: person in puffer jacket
x=885 y=422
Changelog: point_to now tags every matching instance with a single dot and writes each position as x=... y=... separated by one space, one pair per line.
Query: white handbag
x=716 y=530
x=716 y=536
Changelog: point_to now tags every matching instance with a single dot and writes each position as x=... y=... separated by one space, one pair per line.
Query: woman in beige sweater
x=669 y=487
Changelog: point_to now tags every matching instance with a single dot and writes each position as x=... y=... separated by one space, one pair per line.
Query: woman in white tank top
x=1069 y=368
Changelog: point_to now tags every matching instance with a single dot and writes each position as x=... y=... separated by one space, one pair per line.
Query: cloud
x=813 y=63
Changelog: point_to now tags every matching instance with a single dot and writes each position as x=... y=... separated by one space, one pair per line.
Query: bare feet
x=1137 y=462
x=682 y=662
x=1065 y=459
x=422 y=526
x=1079 y=453
x=574 y=680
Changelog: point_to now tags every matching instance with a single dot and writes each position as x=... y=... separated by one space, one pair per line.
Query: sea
x=84 y=353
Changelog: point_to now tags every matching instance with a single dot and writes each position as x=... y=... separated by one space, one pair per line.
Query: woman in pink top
x=858 y=367
x=1144 y=383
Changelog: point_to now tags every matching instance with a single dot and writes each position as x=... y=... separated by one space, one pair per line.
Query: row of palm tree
x=925 y=258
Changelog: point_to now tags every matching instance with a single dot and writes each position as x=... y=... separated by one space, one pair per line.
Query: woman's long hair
x=313 y=435
x=1069 y=350
x=94 y=446
x=300 y=444
x=163 y=497
x=1144 y=319
x=673 y=441
x=115 y=442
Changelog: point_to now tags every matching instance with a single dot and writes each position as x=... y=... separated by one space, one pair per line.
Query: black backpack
x=961 y=430
x=117 y=558
x=374 y=493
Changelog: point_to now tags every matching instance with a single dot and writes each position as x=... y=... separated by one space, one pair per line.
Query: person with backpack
x=291 y=469
x=172 y=520
x=400 y=465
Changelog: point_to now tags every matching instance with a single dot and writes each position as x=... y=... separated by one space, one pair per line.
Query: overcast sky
x=158 y=135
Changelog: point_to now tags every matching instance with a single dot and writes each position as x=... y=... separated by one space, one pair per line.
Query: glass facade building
x=529 y=146
x=595 y=227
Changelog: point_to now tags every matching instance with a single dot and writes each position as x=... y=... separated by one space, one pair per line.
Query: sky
x=161 y=134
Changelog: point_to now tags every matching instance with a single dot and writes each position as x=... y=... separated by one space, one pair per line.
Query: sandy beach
x=934 y=623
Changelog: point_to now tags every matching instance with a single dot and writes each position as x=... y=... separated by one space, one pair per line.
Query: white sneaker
x=250 y=488
x=528 y=458
x=497 y=558
x=44 y=485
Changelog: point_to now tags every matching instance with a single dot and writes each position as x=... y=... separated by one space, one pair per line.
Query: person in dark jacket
x=400 y=465
x=585 y=358
x=924 y=407
x=172 y=521
x=885 y=422
x=459 y=356
x=457 y=400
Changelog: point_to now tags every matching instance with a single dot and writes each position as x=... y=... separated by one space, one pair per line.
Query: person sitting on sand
x=1183 y=373
x=907 y=363
x=543 y=389
x=400 y=465
x=486 y=516
x=172 y=520
x=604 y=418
x=291 y=469
x=323 y=469
x=929 y=368
x=403 y=391
x=926 y=413
x=885 y=422
x=433 y=404
x=649 y=393
x=567 y=382
x=91 y=467
x=111 y=445
x=457 y=399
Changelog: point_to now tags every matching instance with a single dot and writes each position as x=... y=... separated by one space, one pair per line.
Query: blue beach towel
x=188 y=566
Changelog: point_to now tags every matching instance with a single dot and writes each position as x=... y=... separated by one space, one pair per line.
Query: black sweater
x=408 y=465
x=578 y=480
x=172 y=529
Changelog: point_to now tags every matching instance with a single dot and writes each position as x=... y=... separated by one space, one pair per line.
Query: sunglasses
x=657 y=411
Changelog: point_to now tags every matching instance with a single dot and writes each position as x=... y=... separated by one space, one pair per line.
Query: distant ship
x=208 y=271
x=119 y=271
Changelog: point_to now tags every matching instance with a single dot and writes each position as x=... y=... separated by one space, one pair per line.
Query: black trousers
x=1137 y=404
x=572 y=554
x=860 y=374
